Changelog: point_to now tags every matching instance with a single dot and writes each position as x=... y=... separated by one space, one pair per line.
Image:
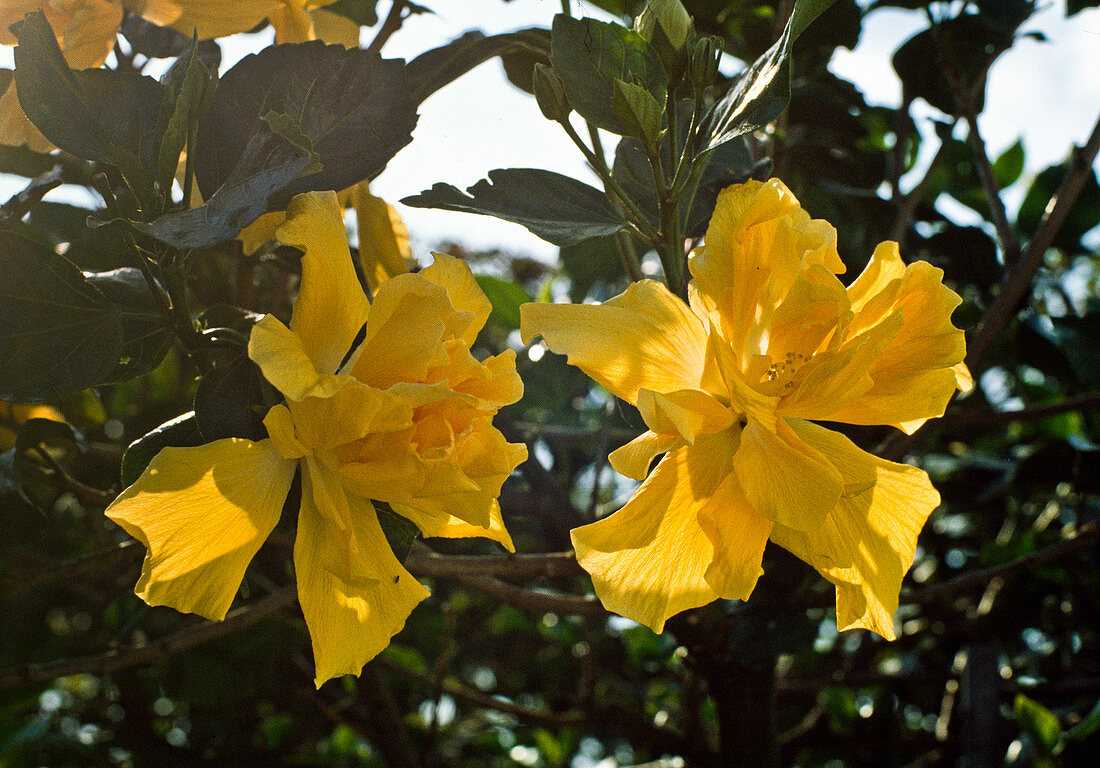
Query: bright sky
x=1047 y=93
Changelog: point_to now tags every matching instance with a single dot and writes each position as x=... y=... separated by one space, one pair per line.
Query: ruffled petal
x=917 y=372
x=634 y=458
x=405 y=333
x=203 y=513
x=649 y=560
x=350 y=623
x=331 y=307
x=868 y=541
x=451 y=527
x=739 y=536
x=455 y=277
x=758 y=240
x=350 y=413
x=785 y=479
x=644 y=338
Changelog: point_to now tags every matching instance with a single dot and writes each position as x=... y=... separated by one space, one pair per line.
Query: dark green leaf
x=557 y=208
x=519 y=65
x=158 y=42
x=58 y=333
x=590 y=55
x=268 y=165
x=181 y=431
x=1089 y=725
x=1083 y=216
x=506 y=298
x=226 y=401
x=362 y=12
x=188 y=86
x=32 y=434
x=594 y=264
x=1078 y=339
x=1038 y=722
x=145 y=337
x=763 y=90
x=433 y=69
x=336 y=96
x=964 y=47
x=1009 y=165
x=97 y=114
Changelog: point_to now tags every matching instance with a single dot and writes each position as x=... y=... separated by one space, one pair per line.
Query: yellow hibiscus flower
x=87 y=30
x=727 y=387
x=406 y=419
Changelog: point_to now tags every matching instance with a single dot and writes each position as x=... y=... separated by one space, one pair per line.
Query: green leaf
x=1089 y=725
x=594 y=263
x=362 y=12
x=433 y=69
x=181 y=431
x=506 y=297
x=188 y=86
x=1039 y=723
x=226 y=401
x=97 y=114
x=335 y=96
x=557 y=208
x=33 y=433
x=268 y=165
x=964 y=45
x=58 y=333
x=1009 y=165
x=589 y=56
x=145 y=337
x=762 y=91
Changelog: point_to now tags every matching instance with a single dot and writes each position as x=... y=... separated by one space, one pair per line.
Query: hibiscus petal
x=455 y=277
x=209 y=18
x=739 y=536
x=757 y=241
x=383 y=238
x=331 y=306
x=646 y=337
x=649 y=560
x=350 y=623
x=203 y=513
x=285 y=363
x=405 y=332
x=868 y=541
x=634 y=458
x=686 y=413
x=785 y=479
x=451 y=527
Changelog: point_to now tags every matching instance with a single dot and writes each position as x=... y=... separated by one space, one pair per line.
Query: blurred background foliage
x=998 y=656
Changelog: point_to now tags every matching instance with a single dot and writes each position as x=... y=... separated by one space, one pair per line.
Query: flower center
x=783 y=374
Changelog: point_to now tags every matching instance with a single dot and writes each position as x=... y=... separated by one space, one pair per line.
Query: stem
x=393 y=22
x=628 y=256
x=599 y=165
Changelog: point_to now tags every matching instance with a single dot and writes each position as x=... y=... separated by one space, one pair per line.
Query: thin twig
x=58 y=478
x=157 y=650
x=907 y=204
x=988 y=418
x=1005 y=233
x=530 y=600
x=394 y=19
x=422 y=561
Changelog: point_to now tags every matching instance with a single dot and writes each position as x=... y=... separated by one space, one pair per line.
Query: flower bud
x=704 y=62
x=550 y=93
x=666 y=25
